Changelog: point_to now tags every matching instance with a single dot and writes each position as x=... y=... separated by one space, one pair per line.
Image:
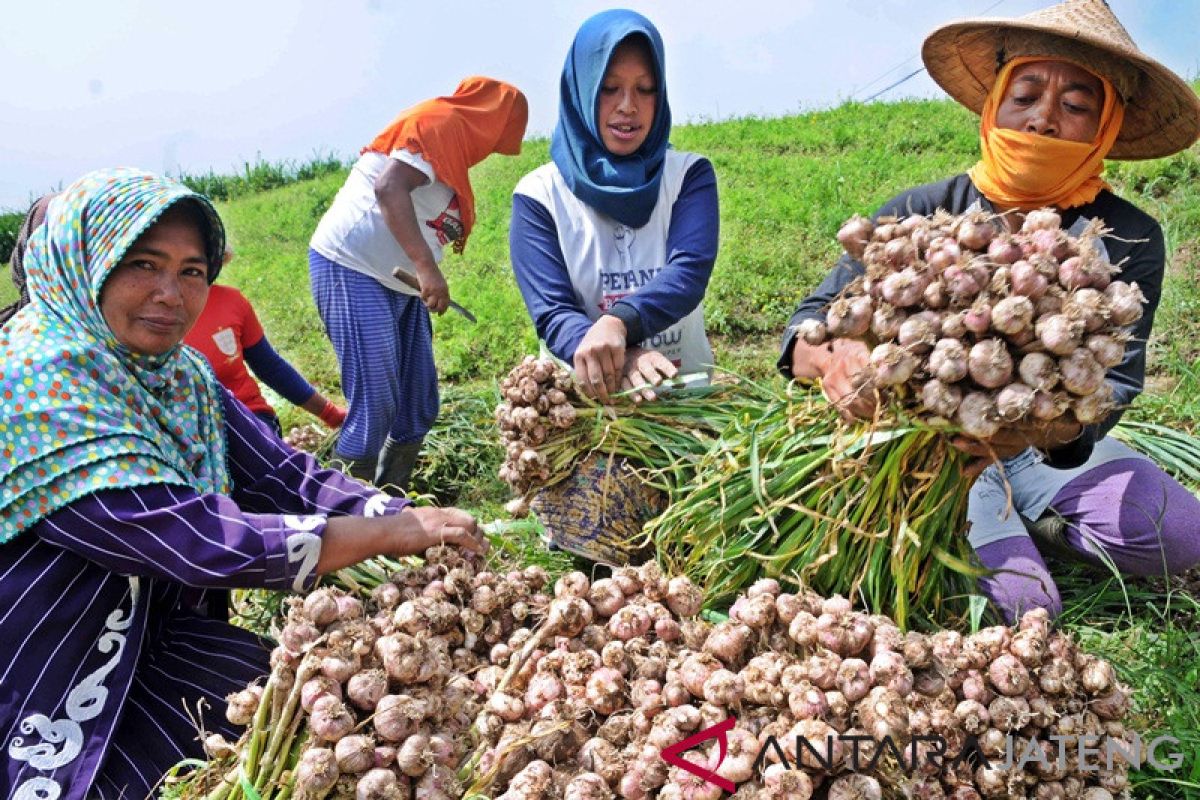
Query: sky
x=171 y=85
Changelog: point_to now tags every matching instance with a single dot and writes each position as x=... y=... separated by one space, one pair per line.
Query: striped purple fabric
x=384 y=345
x=108 y=654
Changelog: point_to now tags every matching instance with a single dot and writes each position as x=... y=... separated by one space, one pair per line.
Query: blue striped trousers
x=384 y=345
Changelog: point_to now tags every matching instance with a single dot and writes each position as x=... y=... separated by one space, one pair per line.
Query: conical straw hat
x=1162 y=112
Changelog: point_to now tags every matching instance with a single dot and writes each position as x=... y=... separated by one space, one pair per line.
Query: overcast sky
x=171 y=85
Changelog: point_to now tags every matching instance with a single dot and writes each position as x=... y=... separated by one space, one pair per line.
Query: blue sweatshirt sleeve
x=692 y=239
x=273 y=370
x=545 y=284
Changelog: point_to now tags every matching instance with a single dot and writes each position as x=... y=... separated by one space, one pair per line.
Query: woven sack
x=598 y=511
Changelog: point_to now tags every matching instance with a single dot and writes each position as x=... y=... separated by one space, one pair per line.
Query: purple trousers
x=1127 y=512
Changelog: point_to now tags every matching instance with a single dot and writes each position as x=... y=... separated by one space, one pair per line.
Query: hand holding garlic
x=842 y=365
x=415 y=530
x=600 y=358
x=349 y=540
x=1000 y=334
x=1009 y=441
x=645 y=368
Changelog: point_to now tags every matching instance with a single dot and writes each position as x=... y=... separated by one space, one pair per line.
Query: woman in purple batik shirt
x=130 y=484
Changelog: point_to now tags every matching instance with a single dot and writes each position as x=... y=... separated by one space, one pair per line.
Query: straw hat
x=1162 y=112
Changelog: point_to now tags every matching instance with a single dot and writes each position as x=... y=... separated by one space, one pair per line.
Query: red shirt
x=227 y=326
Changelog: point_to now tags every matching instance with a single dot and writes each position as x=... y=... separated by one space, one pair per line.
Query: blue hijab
x=622 y=187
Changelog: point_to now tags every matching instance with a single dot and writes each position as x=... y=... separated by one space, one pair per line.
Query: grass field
x=786 y=185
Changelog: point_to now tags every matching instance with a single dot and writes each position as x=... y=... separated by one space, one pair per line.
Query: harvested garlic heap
x=308 y=438
x=589 y=717
x=984 y=328
x=575 y=696
x=384 y=687
x=537 y=399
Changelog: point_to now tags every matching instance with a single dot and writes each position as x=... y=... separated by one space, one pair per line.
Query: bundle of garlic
x=547 y=427
x=375 y=699
x=820 y=694
x=553 y=691
x=310 y=438
x=538 y=397
x=984 y=328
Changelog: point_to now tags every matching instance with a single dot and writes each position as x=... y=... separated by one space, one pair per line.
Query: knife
x=411 y=281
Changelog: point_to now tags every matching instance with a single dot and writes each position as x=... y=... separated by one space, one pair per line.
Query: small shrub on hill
x=260 y=176
x=10 y=223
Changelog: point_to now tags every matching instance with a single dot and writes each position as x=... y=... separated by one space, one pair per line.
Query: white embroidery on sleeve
x=303 y=546
x=376 y=506
x=84 y=703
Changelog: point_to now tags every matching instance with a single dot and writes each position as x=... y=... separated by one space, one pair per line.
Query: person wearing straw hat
x=1058 y=91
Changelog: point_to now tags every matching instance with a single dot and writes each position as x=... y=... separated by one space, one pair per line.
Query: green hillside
x=786 y=184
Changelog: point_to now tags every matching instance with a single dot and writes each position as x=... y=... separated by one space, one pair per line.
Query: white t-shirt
x=607 y=260
x=354 y=234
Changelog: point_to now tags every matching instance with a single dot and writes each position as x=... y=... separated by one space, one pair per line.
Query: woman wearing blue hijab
x=614 y=240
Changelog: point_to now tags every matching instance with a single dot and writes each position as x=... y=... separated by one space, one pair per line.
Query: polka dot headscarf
x=79 y=412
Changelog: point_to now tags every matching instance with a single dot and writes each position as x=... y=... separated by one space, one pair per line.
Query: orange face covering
x=1028 y=170
x=454 y=133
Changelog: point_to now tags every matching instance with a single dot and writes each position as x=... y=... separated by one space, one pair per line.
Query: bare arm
x=349 y=540
x=393 y=191
x=837 y=364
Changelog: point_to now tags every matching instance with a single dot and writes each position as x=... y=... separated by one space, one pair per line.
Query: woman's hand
x=393 y=191
x=418 y=529
x=600 y=358
x=1012 y=440
x=325 y=410
x=435 y=292
x=349 y=540
x=842 y=367
x=645 y=368
x=845 y=380
x=332 y=415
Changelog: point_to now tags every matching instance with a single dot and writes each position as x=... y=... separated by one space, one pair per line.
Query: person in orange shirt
x=230 y=336
x=406 y=198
